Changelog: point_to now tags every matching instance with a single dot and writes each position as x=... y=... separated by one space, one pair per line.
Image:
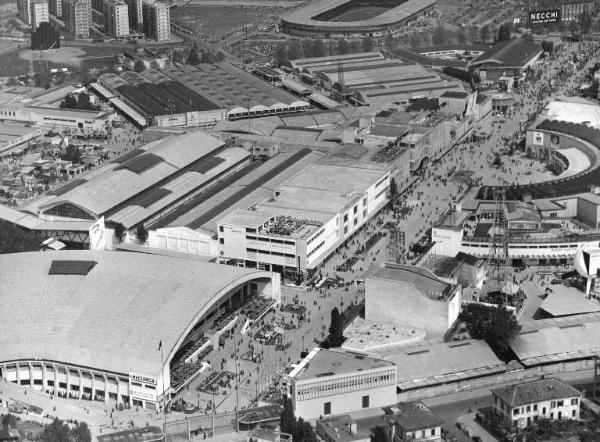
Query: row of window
x=534 y=407
x=321 y=244
x=384 y=191
x=365 y=403
x=271 y=240
x=381 y=181
x=319 y=233
x=266 y=252
x=350 y=383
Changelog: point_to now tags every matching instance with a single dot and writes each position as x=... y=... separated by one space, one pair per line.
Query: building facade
x=330 y=382
x=136 y=17
x=116 y=18
x=411 y=421
x=39 y=13
x=520 y=405
x=157 y=21
x=77 y=15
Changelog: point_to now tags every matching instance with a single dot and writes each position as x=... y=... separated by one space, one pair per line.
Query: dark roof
x=455 y=94
x=422 y=104
x=389 y=130
x=513 y=52
x=415 y=416
x=535 y=391
x=450 y=47
x=481 y=98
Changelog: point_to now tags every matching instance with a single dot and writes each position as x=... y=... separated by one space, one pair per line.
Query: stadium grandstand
x=96 y=321
x=373 y=79
x=354 y=18
x=565 y=122
x=157 y=99
x=145 y=184
x=240 y=93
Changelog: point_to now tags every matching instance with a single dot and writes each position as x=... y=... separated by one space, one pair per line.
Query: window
x=220 y=228
x=365 y=401
x=364 y=201
x=355 y=221
x=346 y=217
x=516 y=412
x=423 y=434
x=327 y=408
x=528 y=408
x=433 y=431
x=560 y=403
x=365 y=213
x=346 y=229
x=355 y=209
x=534 y=407
x=574 y=401
x=573 y=413
x=553 y=404
x=221 y=241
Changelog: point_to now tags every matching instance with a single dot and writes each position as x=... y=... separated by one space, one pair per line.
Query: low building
x=507 y=58
x=13 y=135
x=414 y=421
x=520 y=405
x=341 y=429
x=330 y=382
x=411 y=297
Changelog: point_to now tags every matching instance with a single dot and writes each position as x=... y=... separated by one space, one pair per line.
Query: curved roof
x=305 y=17
x=111 y=318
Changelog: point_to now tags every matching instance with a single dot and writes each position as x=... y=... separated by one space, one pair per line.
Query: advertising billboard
x=538 y=138
x=547 y=16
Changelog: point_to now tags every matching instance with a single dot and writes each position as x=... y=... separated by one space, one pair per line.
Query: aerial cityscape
x=300 y=220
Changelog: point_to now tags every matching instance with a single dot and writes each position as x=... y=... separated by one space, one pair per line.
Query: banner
x=548 y=16
x=97 y=235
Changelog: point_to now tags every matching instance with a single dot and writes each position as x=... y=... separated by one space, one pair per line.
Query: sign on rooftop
x=546 y=16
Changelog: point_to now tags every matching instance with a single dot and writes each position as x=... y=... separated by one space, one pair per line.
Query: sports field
x=360 y=13
x=216 y=20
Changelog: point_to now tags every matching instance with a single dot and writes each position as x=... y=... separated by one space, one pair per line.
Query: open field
x=216 y=21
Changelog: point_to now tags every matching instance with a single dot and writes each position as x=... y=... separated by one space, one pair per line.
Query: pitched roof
x=421 y=278
x=513 y=52
x=535 y=391
x=415 y=416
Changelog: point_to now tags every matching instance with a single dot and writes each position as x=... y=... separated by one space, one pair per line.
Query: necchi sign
x=550 y=16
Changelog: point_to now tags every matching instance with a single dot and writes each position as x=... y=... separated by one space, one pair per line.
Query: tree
x=379 y=434
x=318 y=48
x=72 y=154
x=336 y=329
x=548 y=46
x=57 y=431
x=355 y=47
x=439 y=35
x=585 y=21
x=81 y=433
x=342 y=47
x=295 y=50
x=414 y=40
x=367 y=44
x=193 y=57
x=12 y=81
x=494 y=324
x=142 y=234
x=9 y=421
x=484 y=33
x=70 y=102
x=503 y=32
x=389 y=42
x=461 y=35
x=119 y=231
x=303 y=432
x=287 y=420
x=219 y=57
x=84 y=102
x=139 y=66
x=281 y=57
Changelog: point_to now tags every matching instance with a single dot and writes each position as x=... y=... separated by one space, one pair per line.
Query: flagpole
x=162 y=374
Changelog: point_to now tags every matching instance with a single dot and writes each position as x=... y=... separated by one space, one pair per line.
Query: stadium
x=106 y=326
x=354 y=18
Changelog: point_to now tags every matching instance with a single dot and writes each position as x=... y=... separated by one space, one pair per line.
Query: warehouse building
x=507 y=59
x=240 y=93
x=145 y=184
x=97 y=320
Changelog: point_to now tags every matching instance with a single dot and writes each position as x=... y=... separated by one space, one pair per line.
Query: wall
x=587 y=212
x=183 y=239
x=447 y=240
x=397 y=302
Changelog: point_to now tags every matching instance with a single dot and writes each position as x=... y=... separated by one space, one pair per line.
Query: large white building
x=77 y=16
x=520 y=405
x=156 y=20
x=116 y=18
x=308 y=216
x=96 y=319
x=39 y=13
x=331 y=382
x=411 y=297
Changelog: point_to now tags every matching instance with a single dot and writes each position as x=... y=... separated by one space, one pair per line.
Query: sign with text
x=142 y=379
x=538 y=138
x=547 y=16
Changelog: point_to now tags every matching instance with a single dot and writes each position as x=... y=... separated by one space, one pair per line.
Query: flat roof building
x=307 y=217
x=507 y=58
x=331 y=382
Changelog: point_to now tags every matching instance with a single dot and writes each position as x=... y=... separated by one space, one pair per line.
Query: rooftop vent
x=68 y=267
